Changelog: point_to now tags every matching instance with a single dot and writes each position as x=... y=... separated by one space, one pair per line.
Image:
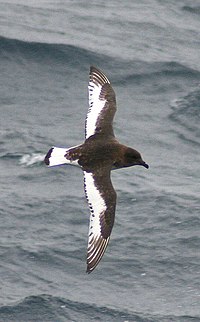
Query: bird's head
x=133 y=157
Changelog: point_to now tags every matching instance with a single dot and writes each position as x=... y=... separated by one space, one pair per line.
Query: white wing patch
x=96 y=243
x=95 y=107
x=96 y=204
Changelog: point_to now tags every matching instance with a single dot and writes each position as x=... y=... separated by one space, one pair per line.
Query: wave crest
x=49 y=308
x=48 y=52
x=31 y=159
x=186 y=115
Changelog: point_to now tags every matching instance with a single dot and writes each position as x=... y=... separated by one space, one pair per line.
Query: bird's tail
x=56 y=156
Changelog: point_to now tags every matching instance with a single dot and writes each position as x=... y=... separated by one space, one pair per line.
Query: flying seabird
x=97 y=156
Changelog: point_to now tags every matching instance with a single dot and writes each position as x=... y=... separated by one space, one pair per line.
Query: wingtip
x=98 y=76
x=90 y=267
x=88 y=270
x=94 y=69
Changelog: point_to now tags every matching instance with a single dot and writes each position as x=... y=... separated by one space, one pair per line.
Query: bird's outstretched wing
x=101 y=198
x=102 y=104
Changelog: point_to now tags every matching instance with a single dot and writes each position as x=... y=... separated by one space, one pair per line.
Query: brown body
x=96 y=153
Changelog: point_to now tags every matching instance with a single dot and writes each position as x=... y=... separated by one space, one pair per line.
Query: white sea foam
x=31 y=159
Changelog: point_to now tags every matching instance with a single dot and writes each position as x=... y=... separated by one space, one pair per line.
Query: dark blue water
x=150 y=52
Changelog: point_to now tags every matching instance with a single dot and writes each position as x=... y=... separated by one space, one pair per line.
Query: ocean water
x=150 y=50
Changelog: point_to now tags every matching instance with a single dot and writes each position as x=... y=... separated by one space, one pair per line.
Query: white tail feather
x=57 y=156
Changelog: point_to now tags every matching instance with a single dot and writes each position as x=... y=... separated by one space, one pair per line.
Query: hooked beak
x=145 y=165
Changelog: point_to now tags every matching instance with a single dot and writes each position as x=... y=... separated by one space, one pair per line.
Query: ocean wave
x=186 y=114
x=31 y=159
x=156 y=70
x=26 y=160
x=61 y=53
x=195 y=10
x=123 y=71
x=49 y=308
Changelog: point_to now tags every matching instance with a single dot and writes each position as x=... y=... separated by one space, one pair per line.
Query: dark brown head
x=133 y=157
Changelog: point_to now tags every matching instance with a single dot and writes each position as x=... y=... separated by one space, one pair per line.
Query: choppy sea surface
x=150 y=50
